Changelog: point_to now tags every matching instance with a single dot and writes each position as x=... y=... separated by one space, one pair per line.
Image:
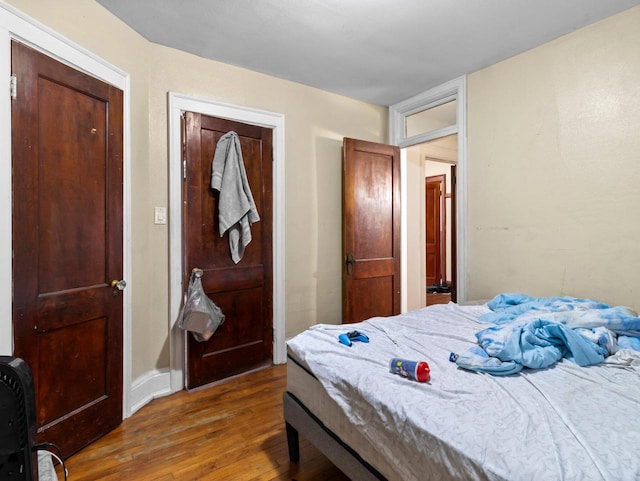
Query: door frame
x=454 y=89
x=179 y=103
x=15 y=25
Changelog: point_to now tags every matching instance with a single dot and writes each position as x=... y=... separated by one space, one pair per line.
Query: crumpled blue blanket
x=537 y=332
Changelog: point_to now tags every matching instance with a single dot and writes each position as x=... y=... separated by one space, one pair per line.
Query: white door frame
x=454 y=89
x=15 y=25
x=179 y=103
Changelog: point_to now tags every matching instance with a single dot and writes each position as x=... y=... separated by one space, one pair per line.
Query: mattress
x=310 y=392
x=562 y=423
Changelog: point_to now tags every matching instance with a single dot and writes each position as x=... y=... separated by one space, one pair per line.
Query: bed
x=563 y=422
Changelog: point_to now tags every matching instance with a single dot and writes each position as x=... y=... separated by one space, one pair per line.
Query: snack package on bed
x=200 y=316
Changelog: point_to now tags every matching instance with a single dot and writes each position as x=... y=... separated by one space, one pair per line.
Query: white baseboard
x=146 y=388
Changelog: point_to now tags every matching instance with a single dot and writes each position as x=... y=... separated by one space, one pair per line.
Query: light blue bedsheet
x=537 y=332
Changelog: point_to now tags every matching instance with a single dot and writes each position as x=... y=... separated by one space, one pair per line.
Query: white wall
x=554 y=168
x=416 y=238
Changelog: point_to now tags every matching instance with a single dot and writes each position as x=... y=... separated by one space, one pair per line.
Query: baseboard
x=146 y=388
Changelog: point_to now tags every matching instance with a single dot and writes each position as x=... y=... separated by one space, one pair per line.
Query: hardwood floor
x=233 y=430
x=438 y=298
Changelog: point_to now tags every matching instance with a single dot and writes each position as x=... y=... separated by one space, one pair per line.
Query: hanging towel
x=236 y=208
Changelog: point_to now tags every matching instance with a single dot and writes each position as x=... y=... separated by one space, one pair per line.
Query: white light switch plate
x=160 y=215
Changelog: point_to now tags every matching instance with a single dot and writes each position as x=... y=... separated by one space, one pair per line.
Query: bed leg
x=292 y=443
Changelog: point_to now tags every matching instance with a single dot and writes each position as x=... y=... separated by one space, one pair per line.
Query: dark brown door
x=454 y=235
x=243 y=291
x=67 y=245
x=435 y=231
x=371 y=230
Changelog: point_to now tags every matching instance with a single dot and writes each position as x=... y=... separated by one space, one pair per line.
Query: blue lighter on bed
x=348 y=337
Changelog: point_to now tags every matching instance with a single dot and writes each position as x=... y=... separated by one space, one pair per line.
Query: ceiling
x=379 y=51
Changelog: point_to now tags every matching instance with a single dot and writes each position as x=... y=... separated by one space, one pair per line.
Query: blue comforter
x=537 y=332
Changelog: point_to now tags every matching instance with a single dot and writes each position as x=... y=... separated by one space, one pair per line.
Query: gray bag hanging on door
x=200 y=316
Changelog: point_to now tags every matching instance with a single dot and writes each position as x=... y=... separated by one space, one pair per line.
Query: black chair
x=18 y=459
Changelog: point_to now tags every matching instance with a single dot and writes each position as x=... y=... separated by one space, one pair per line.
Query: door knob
x=118 y=285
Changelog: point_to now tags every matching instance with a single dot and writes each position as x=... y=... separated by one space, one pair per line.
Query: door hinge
x=13 y=86
x=184 y=169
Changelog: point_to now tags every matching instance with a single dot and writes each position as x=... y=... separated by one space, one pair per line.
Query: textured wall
x=554 y=167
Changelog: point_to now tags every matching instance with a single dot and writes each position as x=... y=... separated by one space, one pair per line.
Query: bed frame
x=300 y=420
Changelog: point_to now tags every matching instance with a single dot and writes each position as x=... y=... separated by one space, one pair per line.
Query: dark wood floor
x=233 y=430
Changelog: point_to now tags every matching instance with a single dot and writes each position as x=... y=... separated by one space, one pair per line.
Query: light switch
x=160 y=215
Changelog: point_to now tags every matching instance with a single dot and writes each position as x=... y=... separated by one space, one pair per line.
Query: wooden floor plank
x=232 y=430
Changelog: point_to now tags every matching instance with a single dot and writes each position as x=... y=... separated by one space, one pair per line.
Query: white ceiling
x=379 y=51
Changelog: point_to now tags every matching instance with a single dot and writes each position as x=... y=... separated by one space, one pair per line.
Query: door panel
x=243 y=291
x=67 y=238
x=79 y=391
x=371 y=230
x=435 y=219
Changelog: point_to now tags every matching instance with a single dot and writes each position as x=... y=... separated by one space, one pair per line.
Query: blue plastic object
x=347 y=338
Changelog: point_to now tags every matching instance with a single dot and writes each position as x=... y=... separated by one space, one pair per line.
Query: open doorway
x=440 y=159
x=437 y=113
x=431 y=226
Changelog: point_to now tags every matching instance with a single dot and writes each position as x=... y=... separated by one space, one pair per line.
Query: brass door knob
x=119 y=285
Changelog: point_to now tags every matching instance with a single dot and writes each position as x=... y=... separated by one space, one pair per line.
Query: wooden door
x=67 y=245
x=453 y=282
x=243 y=291
x=371 y=230
x=435 y=233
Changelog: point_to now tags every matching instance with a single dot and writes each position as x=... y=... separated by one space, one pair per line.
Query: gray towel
x=236 y=208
